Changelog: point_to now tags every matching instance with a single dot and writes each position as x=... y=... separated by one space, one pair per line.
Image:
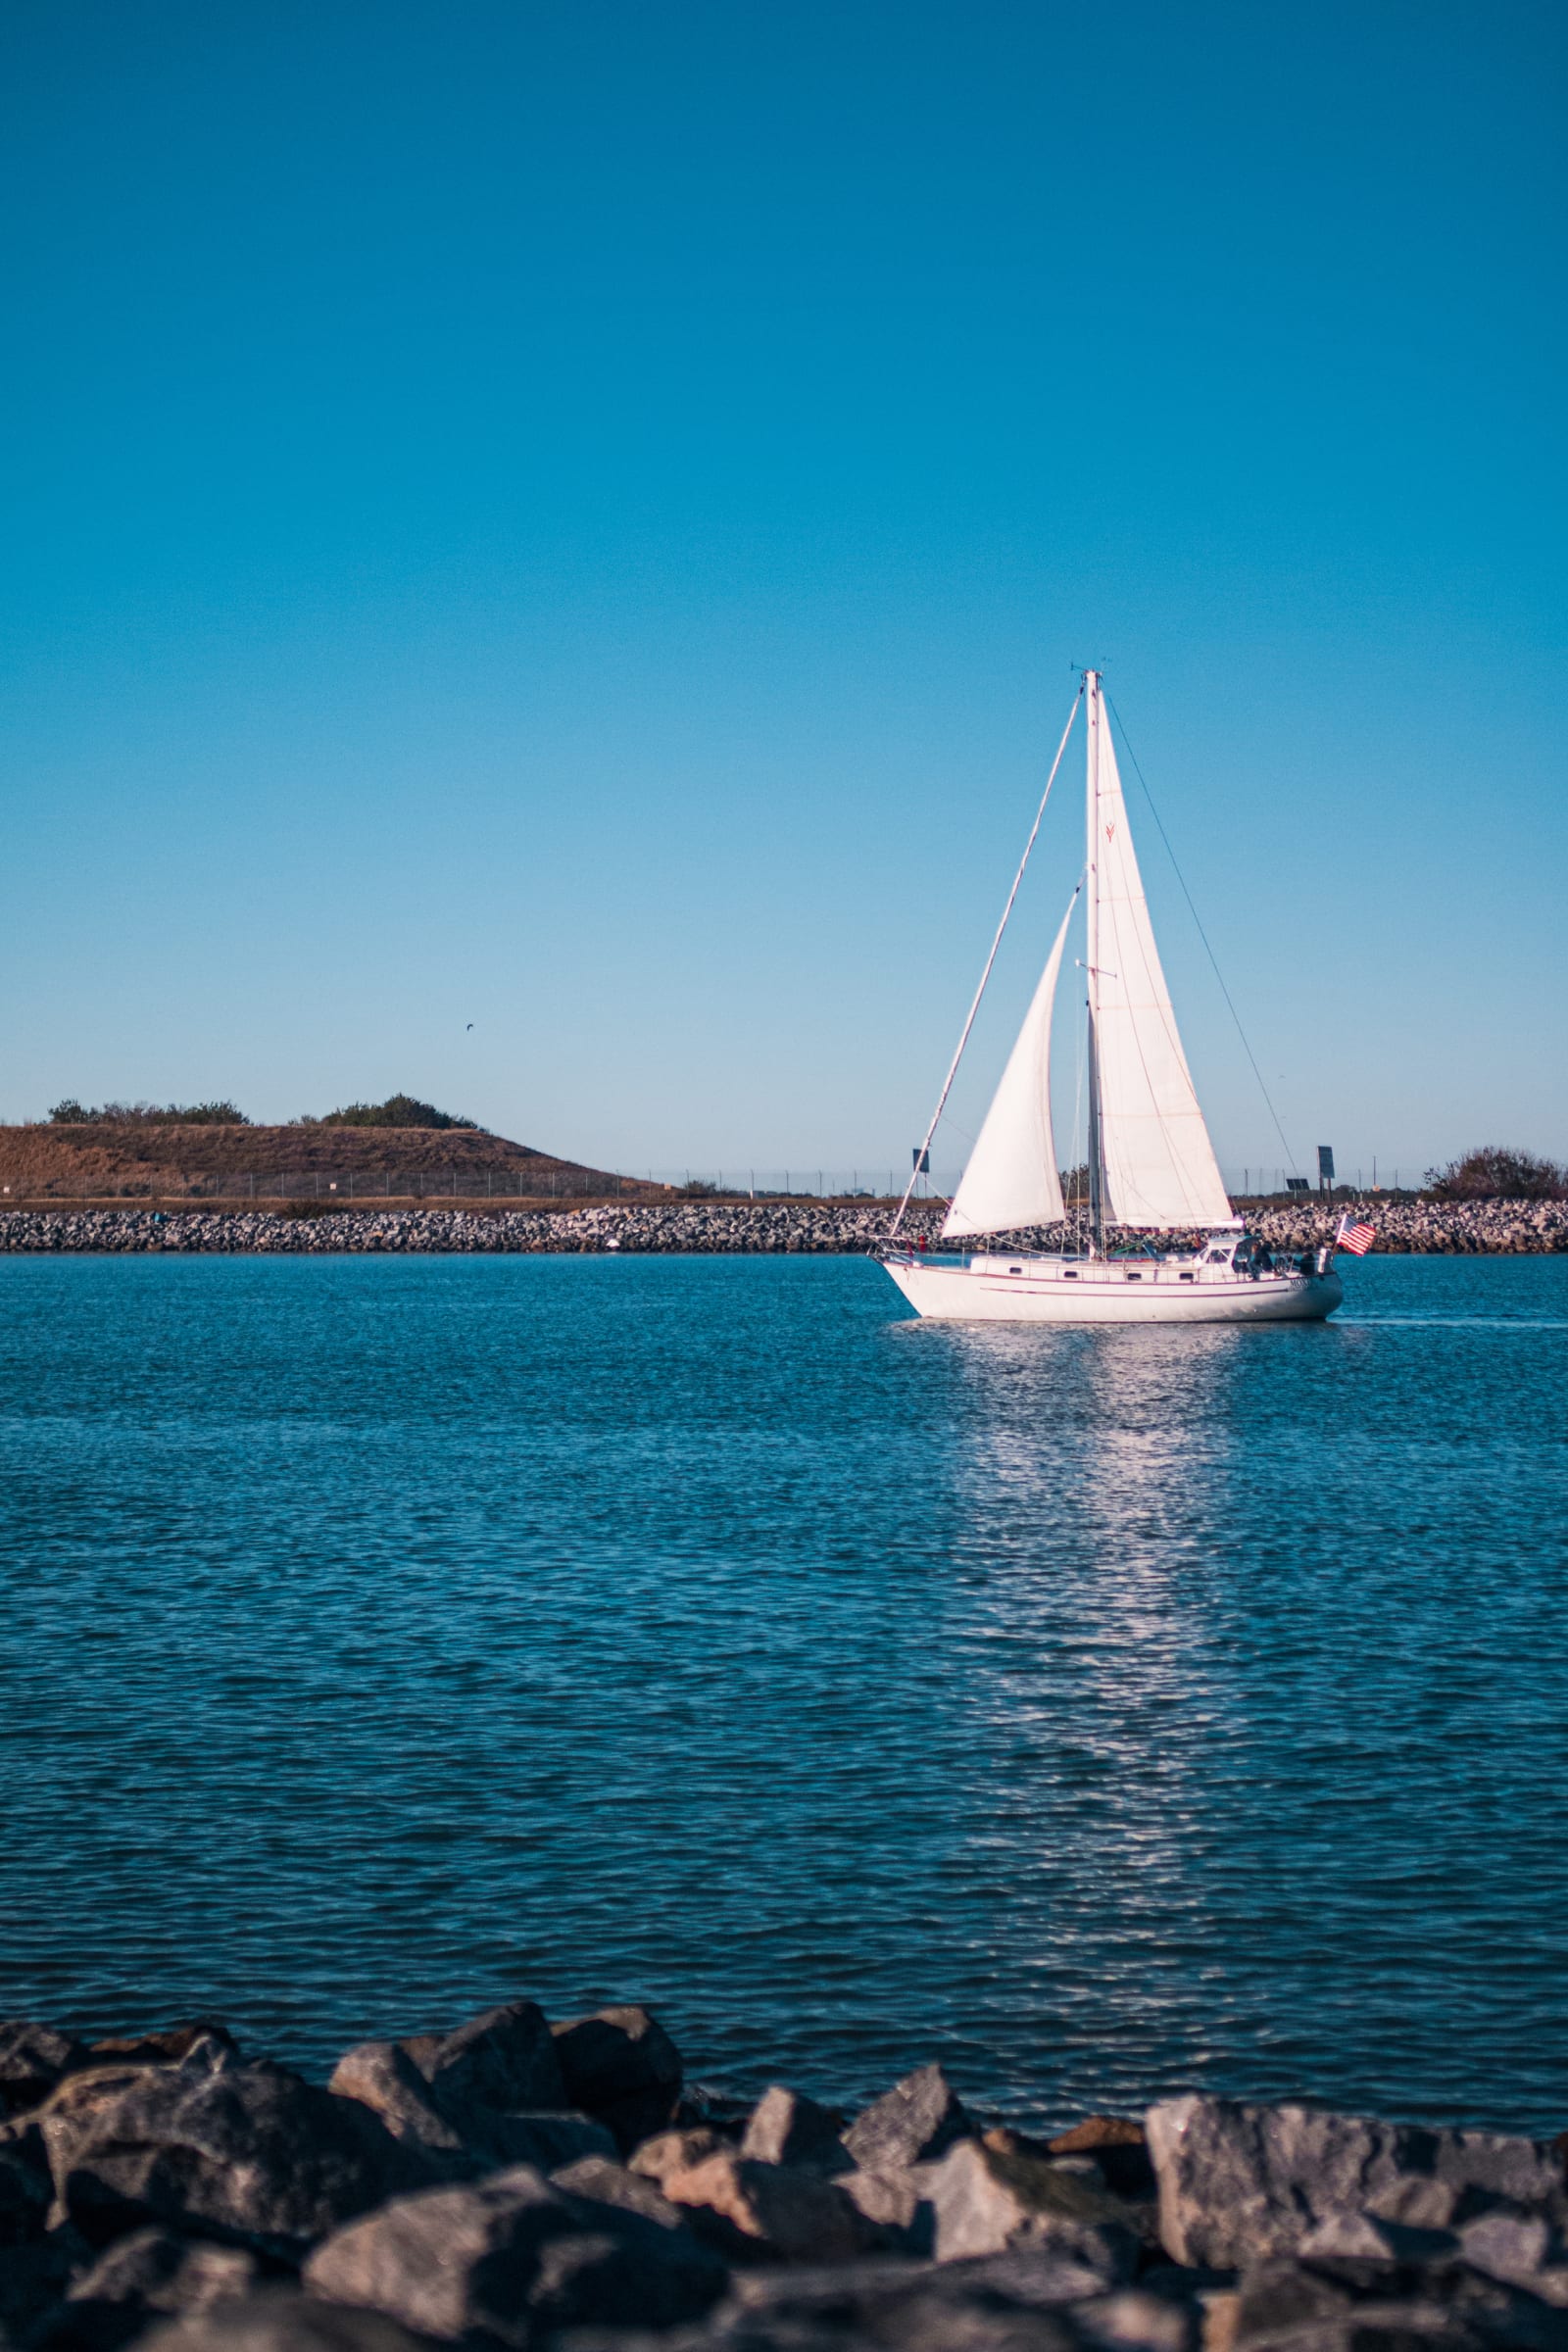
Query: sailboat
x=1150 y=1166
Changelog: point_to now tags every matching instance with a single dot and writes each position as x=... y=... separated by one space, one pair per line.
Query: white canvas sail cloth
x=1158 y=1165
x=1012 y=1178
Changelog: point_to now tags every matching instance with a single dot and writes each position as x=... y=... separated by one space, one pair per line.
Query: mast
x=1091 y=959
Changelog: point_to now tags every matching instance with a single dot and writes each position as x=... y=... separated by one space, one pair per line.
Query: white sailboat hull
x=1056 y=1290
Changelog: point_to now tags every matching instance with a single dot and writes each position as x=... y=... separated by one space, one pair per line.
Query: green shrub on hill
x=72 y=1114
x=1495 y=1173
x=398 y=1110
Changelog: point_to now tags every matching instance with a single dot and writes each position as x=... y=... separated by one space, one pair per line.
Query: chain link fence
x=569 y=1186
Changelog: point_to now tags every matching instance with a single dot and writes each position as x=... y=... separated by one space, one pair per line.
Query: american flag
x=1357 y=1237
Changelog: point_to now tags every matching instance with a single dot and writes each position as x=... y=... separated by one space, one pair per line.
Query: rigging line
x=953 y=1066
x=1202 y=933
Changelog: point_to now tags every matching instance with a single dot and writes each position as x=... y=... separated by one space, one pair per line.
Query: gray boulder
x=1028 y=2302
x=1346 y=2305
x=27 y=2190
x=382 y=2076
x=505 y=2061
x=897 y=2204
x=251 y=2154
x=1530 y=2247
x=1239 y=2184
x=989 y=2203
x=768 y=2212
x=461 y=2134
x=1020 y=2302
x=281 y=2320
x=620 y=2066
x=34 y=2280
x=919 y=2119
x=146 y=2277
x=32 y=2059
x=785 y=2127
x=604 y=2182
x=507 y=2258
x=1360 y=2237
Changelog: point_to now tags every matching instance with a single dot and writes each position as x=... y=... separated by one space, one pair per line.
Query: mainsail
x=1157 y=1165
x=1012 y=1178
x=1151 y=1162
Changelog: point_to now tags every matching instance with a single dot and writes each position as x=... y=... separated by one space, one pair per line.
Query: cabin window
x=1015 y=1269
x=1135 y=1278
x=1069 y=1275
x=1187 y=1277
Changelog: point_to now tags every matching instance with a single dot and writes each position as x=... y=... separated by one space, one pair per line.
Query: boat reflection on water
x=1109 y=1426
x=1131 y=1854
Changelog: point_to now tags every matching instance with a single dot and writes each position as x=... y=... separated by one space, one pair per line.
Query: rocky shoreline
x=513 y=2186
x=717 y=1228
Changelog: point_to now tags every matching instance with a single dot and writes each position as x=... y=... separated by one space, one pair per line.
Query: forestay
x=1012 y=1178
x=1158 y=1165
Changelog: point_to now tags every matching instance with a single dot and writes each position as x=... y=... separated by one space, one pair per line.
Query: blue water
x=1102 y=1711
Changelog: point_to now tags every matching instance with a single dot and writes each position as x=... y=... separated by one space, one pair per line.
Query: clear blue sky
x=578 y=519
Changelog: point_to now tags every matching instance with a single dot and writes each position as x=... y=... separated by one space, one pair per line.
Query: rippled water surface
x=1103 y=1711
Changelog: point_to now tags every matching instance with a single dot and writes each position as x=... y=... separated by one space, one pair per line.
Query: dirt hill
x=143 y=1161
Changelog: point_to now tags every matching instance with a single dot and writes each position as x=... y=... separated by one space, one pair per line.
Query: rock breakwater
x=510 y=2184
x=721 y=1228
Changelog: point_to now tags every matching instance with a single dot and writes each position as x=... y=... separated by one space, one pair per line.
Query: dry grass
x=169 y=1164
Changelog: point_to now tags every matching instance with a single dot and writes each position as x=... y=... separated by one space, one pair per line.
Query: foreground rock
x=917 y=2118
x=505 y=2061
x=783 y=2127
x=768 y=2212
x=149 y=2275
x=32 y=2060
x=988 y=2203
x=163 y=2189
x=620 y=2066
x=1029 y=2302
x=462 y=2136
x=512 y=2258
x=1364 y=2306
x=251 y=2154
x=1240 y=2184
x=284 y=2321
x=488 y=2094
x=27 y=2190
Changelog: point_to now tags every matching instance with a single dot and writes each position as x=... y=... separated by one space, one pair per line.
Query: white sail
x=1157 y=1163
x=1012 y=1178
